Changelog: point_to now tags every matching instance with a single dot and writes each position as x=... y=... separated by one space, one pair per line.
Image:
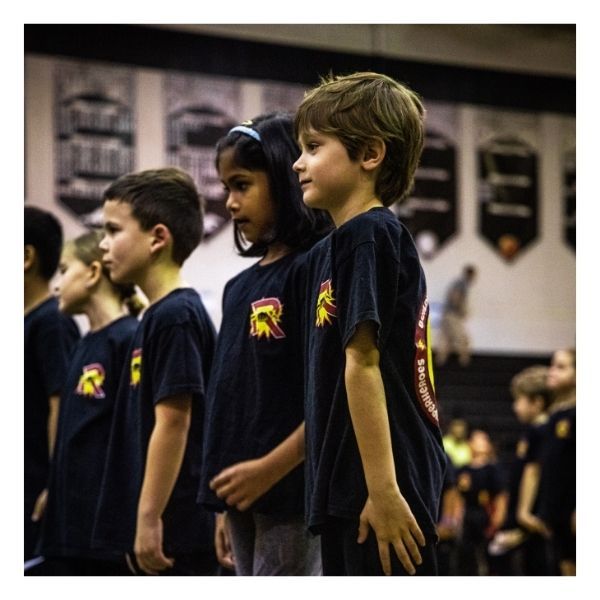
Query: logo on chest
x=326 y=308
x=265 y=318
x=91 y=381
x=135 y=367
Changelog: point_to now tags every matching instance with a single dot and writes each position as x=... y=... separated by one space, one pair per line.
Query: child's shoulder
x=178 y=306
x=372 y=225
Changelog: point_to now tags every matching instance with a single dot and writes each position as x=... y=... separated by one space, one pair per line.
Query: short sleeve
x=366 y=284
x=55 y=345
x=175 y=362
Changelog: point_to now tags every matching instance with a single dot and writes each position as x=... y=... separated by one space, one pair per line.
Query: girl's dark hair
x=296 y=225
x=86 y=248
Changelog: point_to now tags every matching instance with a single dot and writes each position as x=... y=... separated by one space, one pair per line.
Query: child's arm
x=386 y=510
x=243 y=483
x=53 y=405
x=222 y=542
x=528 y=489
x=163 y=462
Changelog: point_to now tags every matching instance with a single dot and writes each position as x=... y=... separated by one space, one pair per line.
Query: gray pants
x=272 y=545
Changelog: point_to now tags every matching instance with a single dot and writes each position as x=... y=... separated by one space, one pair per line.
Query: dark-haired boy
x=374 y=457
x=153 y=221
x=49 y=338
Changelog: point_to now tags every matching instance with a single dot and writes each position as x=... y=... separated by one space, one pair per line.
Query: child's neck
x=103 y=309
x=353 y=207
x=36 y=291
x=160 y=281
x=274 y=253
x=564 y=400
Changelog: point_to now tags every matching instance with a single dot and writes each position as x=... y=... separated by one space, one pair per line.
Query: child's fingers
x=363 y=530
x=417 y=533
x=413 y=550
x=218 y=480
x=404 y=557
x=384 y=557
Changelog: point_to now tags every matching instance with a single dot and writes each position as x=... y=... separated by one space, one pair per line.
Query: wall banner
x=507 y=154
x=198 y=111
x=430 y=211
x=94 y=134
x=569 y=188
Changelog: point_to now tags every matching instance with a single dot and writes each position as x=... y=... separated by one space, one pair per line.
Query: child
x=515 y=551
x=484 y=499
x=456 y=442
x=153 y=222
x=254 y=431
x=555 y=511
x=85 y=409
x=49 y=338
x=374 y=449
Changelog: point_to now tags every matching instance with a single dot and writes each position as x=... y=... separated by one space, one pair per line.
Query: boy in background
x=153 y=221
x=49 y=338
x=374 y=455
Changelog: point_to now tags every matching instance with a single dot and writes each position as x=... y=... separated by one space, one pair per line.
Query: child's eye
x=312 y=146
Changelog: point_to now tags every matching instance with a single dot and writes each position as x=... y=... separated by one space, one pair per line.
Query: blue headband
x=246 y=131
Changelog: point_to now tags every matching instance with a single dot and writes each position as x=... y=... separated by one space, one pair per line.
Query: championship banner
x=569 y=188
x=198 y=111
x=507 y=154
x=430 y=211
x=94 y=134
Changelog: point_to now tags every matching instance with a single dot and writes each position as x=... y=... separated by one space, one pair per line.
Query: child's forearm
x=53 y=407
x=286 y=455
x=368 y=411
x=528 y=490
x=165 y=455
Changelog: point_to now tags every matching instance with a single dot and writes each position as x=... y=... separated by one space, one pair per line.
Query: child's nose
x=231 y=204
x=297 y=166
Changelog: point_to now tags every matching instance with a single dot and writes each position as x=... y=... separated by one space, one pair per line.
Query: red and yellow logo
x=326 y=308
x=136 y=367
x=265 y=318
x=91 y=381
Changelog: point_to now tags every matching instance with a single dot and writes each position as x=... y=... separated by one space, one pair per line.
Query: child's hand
x=222 y=543
x=243 y=483
x=393 y=523
x=40 y=506
x=148 y=546
x=534 y=524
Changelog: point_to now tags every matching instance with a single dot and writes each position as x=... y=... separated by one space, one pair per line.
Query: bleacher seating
x=480 y=393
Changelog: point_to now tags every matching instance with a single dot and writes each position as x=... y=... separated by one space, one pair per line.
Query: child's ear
x=373 y=154
x=29 y=257
x=95 y=273
x=161 y=236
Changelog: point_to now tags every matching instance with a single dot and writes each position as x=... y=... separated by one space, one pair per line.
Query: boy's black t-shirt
x=556 y=496
x=478 y=486
x=255 y=394
x=49 y=339
x=171 y=354
x=368 y=270
x=527 y=450
x=86 y=408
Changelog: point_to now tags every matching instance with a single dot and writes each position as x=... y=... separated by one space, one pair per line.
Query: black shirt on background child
x=255 y=398
x=86 y=408
x=49 y=339
x=171 y=354
x=557 y=489
x=368 y=270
